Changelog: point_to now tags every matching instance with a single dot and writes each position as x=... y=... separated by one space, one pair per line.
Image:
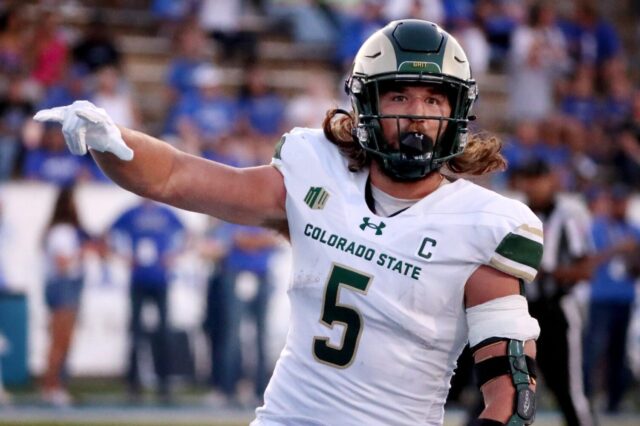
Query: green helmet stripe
x=417 y=44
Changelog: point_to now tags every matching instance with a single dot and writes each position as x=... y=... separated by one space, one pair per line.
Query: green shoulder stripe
x=278 y=148
x=521 y=250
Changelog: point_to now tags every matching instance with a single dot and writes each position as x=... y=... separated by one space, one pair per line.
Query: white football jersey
x=377 y=303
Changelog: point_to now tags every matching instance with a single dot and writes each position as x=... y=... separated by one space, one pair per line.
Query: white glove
x=85 y=125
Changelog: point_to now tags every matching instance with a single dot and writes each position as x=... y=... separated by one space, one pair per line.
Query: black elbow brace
x=522 y=370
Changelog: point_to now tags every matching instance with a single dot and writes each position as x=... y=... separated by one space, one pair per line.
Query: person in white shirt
x=64 y=243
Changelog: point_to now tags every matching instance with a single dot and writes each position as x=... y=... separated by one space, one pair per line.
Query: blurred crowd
x=571 y=102
x=562 y=66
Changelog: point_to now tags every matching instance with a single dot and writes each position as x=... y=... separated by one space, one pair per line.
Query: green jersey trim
x=277 y=154
x=519 y=253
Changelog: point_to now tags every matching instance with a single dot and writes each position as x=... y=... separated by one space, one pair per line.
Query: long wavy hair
x=481 y=155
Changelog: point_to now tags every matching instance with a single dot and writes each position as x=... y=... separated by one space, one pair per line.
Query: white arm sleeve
x=506 y=317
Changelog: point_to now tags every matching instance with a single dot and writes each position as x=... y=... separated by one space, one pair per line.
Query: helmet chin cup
x=412 y=160
x=402 y=168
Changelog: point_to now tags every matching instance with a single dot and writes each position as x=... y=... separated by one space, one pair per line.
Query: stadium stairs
x=147 y=53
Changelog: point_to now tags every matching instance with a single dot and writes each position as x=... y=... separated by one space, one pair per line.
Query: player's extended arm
x=489 y=286
x=158 y=171
x=252 y=195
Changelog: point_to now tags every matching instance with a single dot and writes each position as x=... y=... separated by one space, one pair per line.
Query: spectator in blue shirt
x=52 y=162
x=190 y=55
x=248 y=250
x=617 y=243
x=71 y=88
x=171 y=13
x=15 y=109
x=581 y=102
x=458 y=9
x=618 y=97
x=555 y=150
x=498 y=20
x=356 y=28
x=591 y=40
x=205 y=118
x=525 y=145
x=261 y=106
x=152 y=235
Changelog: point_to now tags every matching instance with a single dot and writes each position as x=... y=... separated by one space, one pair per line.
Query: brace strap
x=522 y=371
x=499 y=365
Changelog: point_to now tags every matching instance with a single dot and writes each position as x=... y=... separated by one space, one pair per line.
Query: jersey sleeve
x=518 y=244
x=306 y=158
x=291 y=152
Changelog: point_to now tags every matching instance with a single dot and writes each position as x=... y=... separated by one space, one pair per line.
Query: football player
x=396 y=265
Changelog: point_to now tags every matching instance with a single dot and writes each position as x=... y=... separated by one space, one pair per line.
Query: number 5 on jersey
x=333 y=312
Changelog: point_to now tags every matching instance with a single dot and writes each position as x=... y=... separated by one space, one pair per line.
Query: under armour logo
x=367 y=224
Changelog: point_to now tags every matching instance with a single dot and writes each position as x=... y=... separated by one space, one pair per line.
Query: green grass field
x=102 y=403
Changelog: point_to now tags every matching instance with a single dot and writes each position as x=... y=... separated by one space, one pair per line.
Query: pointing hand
x=85 y=125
